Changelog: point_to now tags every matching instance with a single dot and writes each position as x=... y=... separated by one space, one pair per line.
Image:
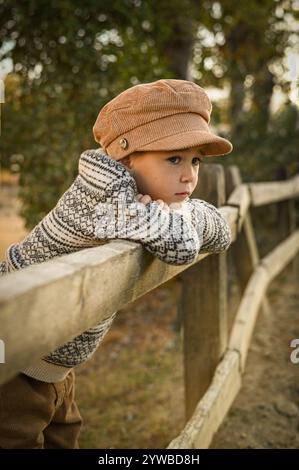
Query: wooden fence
x=50 y=303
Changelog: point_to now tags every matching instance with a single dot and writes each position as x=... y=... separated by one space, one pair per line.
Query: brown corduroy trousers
x=39 y=415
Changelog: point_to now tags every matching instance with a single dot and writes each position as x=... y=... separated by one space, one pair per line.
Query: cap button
x=123 y=143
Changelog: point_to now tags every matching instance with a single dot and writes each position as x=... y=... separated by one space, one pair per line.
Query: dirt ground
x=265 y=413
x=130 y=393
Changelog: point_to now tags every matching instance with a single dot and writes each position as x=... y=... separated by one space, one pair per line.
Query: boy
x=136 y=187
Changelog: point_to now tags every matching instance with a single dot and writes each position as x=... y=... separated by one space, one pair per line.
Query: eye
x=171 y=159
x=197 y=161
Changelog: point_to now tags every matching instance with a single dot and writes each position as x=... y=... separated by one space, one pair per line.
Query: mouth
x=186 y=193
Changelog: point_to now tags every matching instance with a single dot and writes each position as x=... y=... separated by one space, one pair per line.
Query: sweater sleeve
x=69 y=226
x=169 y=235
x=213 y=231
x=176 y=236
x=101 y=205
x=75 y=222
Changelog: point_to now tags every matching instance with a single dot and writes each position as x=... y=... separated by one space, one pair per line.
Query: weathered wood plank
x=218 y=398
x=213 y=407
x=240 y=197
x=47 y=304
x=281 y=255
x=269 y=192
x=244 y=251
x=269 y=267
x=204 y=304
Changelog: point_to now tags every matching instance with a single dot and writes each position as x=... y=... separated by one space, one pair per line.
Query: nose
x=187 y=175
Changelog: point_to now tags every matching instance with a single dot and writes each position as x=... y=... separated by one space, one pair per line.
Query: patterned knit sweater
x=100 y=206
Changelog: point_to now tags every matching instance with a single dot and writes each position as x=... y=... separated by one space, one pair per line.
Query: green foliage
x=85 y=62
x=260 y=156
x=71 y=57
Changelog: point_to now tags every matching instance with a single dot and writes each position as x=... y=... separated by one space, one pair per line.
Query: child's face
x=164 y=174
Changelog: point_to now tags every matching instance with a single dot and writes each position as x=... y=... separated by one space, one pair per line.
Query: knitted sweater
x=100 y=206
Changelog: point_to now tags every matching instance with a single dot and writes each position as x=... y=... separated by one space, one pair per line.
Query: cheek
x=196 y=179
x=143 y=181
x=156 y=187
x=158 y=183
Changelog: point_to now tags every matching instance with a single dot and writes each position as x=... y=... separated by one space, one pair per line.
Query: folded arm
x=101 y=204
x=213 y=231
x=169 y=235
x=175 y=236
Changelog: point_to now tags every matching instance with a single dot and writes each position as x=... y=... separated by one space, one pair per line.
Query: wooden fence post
x=204 y=303
x=244 y=250
x=285 y=212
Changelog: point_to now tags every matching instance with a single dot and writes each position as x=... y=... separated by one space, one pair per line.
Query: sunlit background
x=60 y=62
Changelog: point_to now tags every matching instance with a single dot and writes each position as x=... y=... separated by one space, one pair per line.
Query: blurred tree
x=174 y=28
x=244 y=51
x=68 y=57
x=71 y=57
x=245 y=41
x=282 y=141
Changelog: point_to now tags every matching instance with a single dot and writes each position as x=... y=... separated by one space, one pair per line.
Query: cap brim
x=174 y=132
x=212 y=144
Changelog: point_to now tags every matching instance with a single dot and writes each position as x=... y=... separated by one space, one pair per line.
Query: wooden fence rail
x=48 y=304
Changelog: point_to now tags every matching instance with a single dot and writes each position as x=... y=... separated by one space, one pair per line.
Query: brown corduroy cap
x=167 y=114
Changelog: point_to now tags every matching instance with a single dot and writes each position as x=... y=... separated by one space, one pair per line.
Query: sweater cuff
x=47 y=371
